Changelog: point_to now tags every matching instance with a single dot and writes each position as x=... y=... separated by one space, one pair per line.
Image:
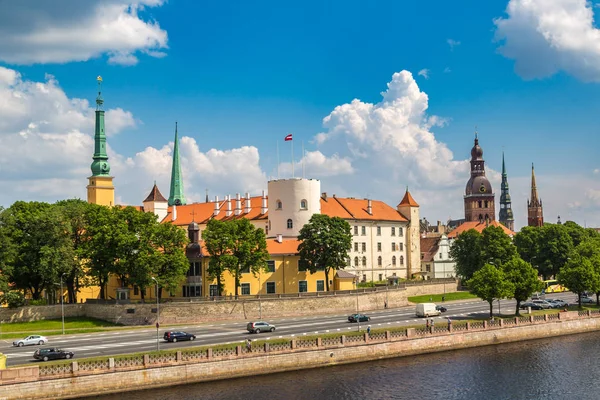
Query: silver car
x=31 y=340
x=260 y=326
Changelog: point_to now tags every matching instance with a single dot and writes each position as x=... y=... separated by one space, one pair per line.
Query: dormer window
x=303 y=204
x=278 y=205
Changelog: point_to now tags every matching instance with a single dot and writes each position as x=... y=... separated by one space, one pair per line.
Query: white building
x=435 y=258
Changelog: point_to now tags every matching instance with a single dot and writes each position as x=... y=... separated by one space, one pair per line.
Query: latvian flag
x=288 y=137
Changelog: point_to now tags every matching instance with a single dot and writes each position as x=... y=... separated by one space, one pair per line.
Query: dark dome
x=193 y=226
x=476 y=151
x=478 y=185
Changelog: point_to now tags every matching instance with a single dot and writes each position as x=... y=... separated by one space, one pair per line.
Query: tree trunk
x=237 y=285
x=218 y=285
x=143 y=294
x=102 y=287
x=598 y=298
x=579 y=299
x=327 y=278
x=517 y=313
x=159 y=293
x=491 y=308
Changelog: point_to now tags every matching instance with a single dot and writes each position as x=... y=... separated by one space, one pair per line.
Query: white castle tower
x=291 y=203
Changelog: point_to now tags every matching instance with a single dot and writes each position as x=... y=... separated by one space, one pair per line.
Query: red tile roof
x=408 y=200
x=429 y=247
x=479 y=227
x=350 y=208
x=286 y=247
x=155 y=195
x=203 y=212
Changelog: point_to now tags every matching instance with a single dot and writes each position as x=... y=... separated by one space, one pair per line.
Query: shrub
x=13 y=299
x=40 y=302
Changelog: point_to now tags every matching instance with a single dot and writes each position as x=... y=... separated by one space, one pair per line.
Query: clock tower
x=100 y=189
x=479 y=197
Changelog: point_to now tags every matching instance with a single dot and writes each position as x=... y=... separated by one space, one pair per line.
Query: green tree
x=527 y=241
x=489 y=284
x=168 y=260
x=589 y=248
x=579 y=276
x=577 y=233
x=497 y=246
x=555 y=245
x=325 y=244
x=524 y=280
x=218 y=240
x=466 y=251
x=249 y=250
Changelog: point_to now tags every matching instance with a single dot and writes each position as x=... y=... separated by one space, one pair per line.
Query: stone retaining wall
x=189 y=366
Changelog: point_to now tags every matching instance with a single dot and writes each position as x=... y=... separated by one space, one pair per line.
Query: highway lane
x=139 y=340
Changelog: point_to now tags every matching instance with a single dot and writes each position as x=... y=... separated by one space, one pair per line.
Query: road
x=139 y=340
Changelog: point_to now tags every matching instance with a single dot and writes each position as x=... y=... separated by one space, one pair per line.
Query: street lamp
x=157 y=313
x=62 y=304
x=387 y=281
x=357 y=313
x=259 y=301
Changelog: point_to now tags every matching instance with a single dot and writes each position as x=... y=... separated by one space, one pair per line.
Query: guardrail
x=105 y=365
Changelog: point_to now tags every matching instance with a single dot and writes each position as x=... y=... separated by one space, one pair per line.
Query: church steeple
x=176 y=196
x=100 y=189
x=535 y=211
x=506 y=214
x=479 y=197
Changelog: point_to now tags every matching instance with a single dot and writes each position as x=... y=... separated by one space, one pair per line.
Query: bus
x=552 y=286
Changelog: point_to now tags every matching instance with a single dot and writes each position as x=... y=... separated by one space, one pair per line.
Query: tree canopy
x=489 y=284
x=524 y=280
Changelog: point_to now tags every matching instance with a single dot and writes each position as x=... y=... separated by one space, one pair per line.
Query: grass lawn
x=54 y=327
x=437 y=298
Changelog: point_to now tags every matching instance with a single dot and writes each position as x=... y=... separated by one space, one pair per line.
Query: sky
x=381 y=95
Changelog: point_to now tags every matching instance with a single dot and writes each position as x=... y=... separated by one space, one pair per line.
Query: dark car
x=441 y=308
x=358 y=318
x=260 y=326
x=52 y=353
x=177 y=336
x=533 y=306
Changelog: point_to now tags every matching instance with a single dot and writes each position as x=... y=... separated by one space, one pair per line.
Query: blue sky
x=239 y=76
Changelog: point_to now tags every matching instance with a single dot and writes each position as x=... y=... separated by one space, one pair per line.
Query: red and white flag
x=288 y=137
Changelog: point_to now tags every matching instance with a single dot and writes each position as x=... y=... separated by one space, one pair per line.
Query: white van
x=427 y=310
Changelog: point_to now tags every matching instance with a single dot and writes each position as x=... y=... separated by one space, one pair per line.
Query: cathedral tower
x=100 y=189
x=506 y=214
x=535 y=212
x=176 y=196
x=479 y=197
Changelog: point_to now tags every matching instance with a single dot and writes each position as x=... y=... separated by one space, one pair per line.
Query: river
x=558 y=368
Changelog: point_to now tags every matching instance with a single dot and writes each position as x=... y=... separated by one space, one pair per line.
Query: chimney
x=216 y=212
x=324 y=196
x=248 y=206
x=279 y=238
x=238 y=204
x=369 y=207
x=228 y=213
x=263 y=209
x=174 y=213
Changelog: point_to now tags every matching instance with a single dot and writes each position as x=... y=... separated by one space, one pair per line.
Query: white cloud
x=318 y=165
x=544 y=37
x=424 y=73
x=452 y=43
x=73 y=30
x=447 y=70
x=596 y=171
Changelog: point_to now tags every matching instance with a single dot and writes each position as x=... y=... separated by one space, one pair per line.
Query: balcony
x=194 y=279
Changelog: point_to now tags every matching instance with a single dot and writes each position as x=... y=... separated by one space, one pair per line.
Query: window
x=486 y=204
x=245 y=270
x=355 y=246
x=270 y=287
x=356 y=261
x=320 y=286
x=303 y=204
x=363 y=230
x=393 y=246
x=401 y=260
x=380 y=277
x=394 y=260
x=364 y=261
x=378 y=246
x=213 y=290
x=136 y=290
x=401 y=246
x=302 y=265
x=364 y=247
x=479 y=203
x=302 y=286
x=192 y=291
x=290 y=224
x=194 y=269
x=379 y=263
x=278 y=205
x=440 y=256
x=400 y=231
x=364 y=279
x=271 y=265
x=428 y=267
x=356 y=230
x=393 y=231
x=378 y=231
x=245 y=288
x=348 y=261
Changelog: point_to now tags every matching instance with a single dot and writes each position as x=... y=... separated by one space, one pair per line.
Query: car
x=31 y=340
x=561 y=303
x=586 y=300
x=533 y=306
x=260 y=326
x=441 y=308
x=543 y=303
x=177 y=336
x=358 y=318
x=555 y=304
x=52 y=353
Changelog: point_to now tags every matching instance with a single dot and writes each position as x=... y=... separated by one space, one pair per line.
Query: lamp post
x=492 y=263
x=157 y=314
x=357 y=314
x=62 y=304
x=259 y=301
x=387 y=282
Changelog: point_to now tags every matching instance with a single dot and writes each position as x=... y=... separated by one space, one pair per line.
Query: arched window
x=479 y=203
x=290 y=224
x=394 y=260
x=278 y=205
x=364 y=261
x=303 y=204
x=379 y=261
x=401 y=260
x=356 y=261
x=486 y=204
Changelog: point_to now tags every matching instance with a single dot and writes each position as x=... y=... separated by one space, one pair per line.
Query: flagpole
x=293 y=176
x=303 y=157
x=278 y=159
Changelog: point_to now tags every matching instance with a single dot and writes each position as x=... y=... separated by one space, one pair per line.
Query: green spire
x=503 y=167
x=100 y=165
x=176 y=196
